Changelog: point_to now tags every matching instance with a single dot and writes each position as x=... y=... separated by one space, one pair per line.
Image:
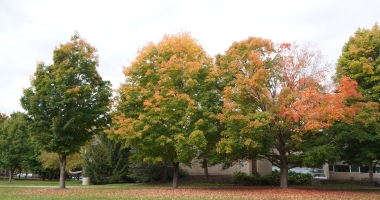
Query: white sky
x=31 y=29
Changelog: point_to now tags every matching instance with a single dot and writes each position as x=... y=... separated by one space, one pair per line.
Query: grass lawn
x=33 y=189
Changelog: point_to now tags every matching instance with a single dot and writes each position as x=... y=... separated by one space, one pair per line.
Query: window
x=354 y=169
x=364 y=169
x=342 y=168
x=331 y=168
x=315 y=172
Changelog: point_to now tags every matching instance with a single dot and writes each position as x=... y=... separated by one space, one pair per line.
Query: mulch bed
x=351 y=182
x=225 y=179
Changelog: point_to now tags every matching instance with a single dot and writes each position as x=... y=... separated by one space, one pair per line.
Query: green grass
x=71 y=183
x=35 y=189
x=22 y=182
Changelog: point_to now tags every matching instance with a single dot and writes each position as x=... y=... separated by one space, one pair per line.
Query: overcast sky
x=30 y=30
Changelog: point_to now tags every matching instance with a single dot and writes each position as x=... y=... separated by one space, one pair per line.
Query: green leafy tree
x=3 y=117
x=50 y=161
x=357 y=145
x=360 y=60
x=68 y=101
x=106 y=161
x=275 y=99
x=167 y=104
x=31 y=162
x=14 y=145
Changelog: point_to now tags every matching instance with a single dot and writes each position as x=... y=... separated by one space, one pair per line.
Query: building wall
x=341 y=171
x=263 y=167
x=354 y=176
x=326 y=170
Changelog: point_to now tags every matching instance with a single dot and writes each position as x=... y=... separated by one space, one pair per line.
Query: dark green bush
x=241 y=178
x=149 y=172
x=106 y=161
x=273 y=178
x=299 y=178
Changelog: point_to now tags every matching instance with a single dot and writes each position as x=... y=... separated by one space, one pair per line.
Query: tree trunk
x=284 y=177
x=62 y=177
x=175 y=175
x=164 y=176
x=283 y=171
x=204 y=166
x=370 y=173
x=10 y=175
x=205 y=170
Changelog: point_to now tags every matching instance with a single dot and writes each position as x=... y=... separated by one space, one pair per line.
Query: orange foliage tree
x=276 y=98
x=166 y=107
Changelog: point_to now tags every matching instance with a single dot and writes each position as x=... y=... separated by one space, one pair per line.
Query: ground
x=221 y=179
x=225 y=179
x=190 y=187
x=232 y=192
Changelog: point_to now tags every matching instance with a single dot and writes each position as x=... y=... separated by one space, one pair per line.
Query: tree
x=360 y=60
x=3 y=117
x=14 y=145
x=68 y=101
x=50 y=162
x=163 y=111
x=357 y=145
x=275 y=99
x=106 y=161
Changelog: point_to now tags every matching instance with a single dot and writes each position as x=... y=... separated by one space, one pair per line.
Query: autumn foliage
x=259 y=100
x=167 y=102
x=68 y=101
x=276 y=96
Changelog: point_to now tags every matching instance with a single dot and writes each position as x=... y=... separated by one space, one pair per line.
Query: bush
x=299 y=178
x=106 y=161
x=148 y=172
x=242 y=178
x=273 y=178
x=239 y=177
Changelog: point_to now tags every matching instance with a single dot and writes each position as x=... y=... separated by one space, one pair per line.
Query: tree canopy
x=359 y=144
x=258 y=100
x=15 y=147
x=68 y=101
x=275 y=97
x=360 y=61
x=168 y=103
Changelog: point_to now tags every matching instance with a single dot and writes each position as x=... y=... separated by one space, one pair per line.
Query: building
x=261 y=166
x=336 y=171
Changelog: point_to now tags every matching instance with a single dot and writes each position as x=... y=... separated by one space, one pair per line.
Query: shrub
x=106 y=161
x=149 y=172
x=242 y=178
x=239 y=177
x=299 y=178
x=273 y=178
